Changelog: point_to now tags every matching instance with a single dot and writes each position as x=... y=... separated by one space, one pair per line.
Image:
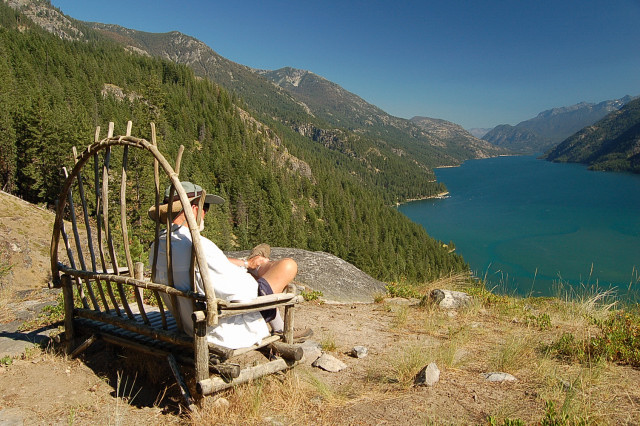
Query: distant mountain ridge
x=612 y=143
x=340 y=108
x=552 y=126
x=479 y=132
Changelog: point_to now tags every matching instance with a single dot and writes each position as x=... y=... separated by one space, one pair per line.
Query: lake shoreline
x=441 y=195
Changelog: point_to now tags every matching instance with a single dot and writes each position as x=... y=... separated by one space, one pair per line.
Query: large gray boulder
x=337 y=279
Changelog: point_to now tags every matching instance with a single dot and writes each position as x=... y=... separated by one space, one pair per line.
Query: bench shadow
x=139 y=380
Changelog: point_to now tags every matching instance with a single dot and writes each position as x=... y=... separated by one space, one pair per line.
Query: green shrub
x=542 y=321
x=569 y=348
x=618 y=342
x=402 y=289
x=311 y=294
x=562 y=418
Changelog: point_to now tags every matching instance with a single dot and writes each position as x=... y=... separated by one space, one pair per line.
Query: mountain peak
x=552 y=126
x=288 y=75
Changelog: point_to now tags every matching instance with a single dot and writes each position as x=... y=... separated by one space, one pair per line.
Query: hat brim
x=160 y=214
x=213 y=199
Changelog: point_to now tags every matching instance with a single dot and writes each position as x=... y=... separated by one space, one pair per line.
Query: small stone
x=273 y=421
x=449 y=299
x=359 y=352
x=428 y=376
x=499 y=377
x=222 y=403
x=329 y=363
x=311 y=351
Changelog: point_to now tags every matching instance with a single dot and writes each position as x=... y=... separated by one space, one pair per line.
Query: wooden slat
x=107 y=229
x=168 y=223
x=265 y=342
x=176 y=338
x=85 y=210
x=76 y=235
x=161 y=306
x=156 y=238
x=99 y=222
x=260 y=303
x=72 y=262
x=122 y=279
x=83 y=201
x=92 y=251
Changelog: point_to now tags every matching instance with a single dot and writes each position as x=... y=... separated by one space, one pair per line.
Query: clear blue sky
x=476 y=63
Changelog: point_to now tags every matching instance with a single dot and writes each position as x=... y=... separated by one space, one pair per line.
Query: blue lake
x=528 y=226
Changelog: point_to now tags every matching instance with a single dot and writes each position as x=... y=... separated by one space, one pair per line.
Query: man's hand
x=256 y=262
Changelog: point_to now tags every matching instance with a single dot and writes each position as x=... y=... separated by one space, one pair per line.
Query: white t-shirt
x=230 y=282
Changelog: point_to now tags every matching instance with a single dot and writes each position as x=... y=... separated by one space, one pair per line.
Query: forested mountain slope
x=433 y=144
x=386 y=151
x=53 y=93
x=612 y=143
x=552 y=126
x=379 y=163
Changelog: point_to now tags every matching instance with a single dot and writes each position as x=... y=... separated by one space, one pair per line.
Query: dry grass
x=495 y=333
x=5 y=299
x=284 y=398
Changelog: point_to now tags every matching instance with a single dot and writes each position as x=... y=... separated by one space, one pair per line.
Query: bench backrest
x=98 y=256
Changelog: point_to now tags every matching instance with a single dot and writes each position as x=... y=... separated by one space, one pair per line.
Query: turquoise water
x=529 y=225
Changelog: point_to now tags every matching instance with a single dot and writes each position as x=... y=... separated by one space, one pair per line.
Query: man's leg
x=278 y=273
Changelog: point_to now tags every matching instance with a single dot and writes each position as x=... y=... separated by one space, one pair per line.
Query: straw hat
x=194 y=192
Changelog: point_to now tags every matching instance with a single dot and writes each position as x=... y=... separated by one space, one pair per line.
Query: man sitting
x=234 y=279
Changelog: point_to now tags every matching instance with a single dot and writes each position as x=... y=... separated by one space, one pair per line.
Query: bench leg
x=181 y=383
x=67 y=292
x=200 y=345
x=84 y=346
x=288 y=323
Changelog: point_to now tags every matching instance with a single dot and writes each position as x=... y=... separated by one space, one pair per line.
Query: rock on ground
x=449 y=299
x=428 y=376
x=329 y=363
x=499 y=377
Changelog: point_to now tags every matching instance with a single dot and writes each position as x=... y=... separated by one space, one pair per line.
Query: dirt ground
x=110 y=386
x=107 y=386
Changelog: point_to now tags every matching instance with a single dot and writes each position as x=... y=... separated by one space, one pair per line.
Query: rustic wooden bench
x=104 y=300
